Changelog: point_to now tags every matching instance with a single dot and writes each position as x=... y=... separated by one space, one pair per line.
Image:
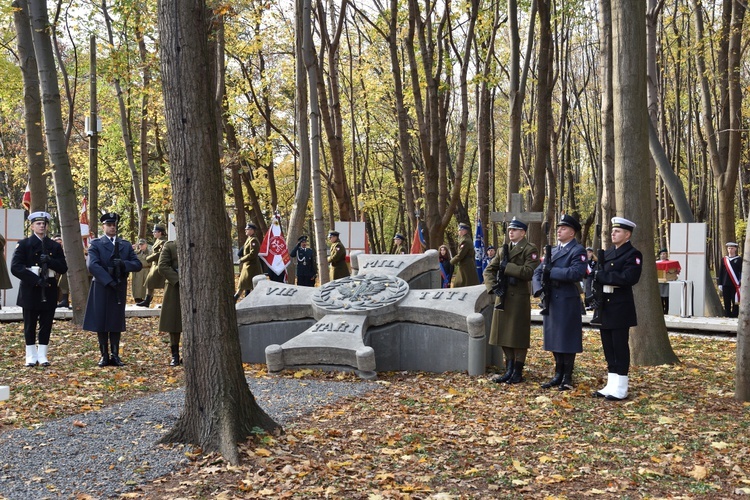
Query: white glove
x=721 y=288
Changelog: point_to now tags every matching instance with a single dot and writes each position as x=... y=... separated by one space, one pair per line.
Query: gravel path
x=116 y=449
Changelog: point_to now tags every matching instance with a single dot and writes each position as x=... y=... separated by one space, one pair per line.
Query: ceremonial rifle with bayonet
x=115 y=270
x=501 y=281
x=597 y=294
x=546 y=280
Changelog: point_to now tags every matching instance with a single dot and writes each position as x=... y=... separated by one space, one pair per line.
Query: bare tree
x=219 y=408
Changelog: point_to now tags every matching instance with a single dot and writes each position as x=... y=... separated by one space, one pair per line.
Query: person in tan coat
x=249 y=261
x=154 y=279
x=138 y=280
x=465 y=270
x=170 y=319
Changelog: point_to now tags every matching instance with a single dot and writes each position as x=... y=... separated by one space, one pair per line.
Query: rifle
x=501 y=282
x=116 y=269
x=546 y=282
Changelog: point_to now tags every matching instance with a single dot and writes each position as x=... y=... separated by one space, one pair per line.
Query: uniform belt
x=609 y=288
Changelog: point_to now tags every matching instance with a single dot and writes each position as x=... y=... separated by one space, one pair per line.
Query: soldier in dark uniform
x=110 y=260
x=464 y=267
x=63 y=285
x=511 y=327
x=170 y=318
x=37 y=261
x=398 y=244
x=563 y=332
x=154 y=279
x=617 y=275
x=730 y=276
x=5 y=282
x=338 y=268
x=250 y=262
x=307 y=270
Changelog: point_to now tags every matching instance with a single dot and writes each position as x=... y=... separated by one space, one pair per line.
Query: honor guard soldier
x=154 y=279
x=170 y=318
x=560 y=274
x=110 y=260
x=617 y=275
x=511 y=325
x=307 y=270
x=730 y=275
x=337 y=266
x=37 y=262
x=398 y=244
x=250 y=261
x=464 y=267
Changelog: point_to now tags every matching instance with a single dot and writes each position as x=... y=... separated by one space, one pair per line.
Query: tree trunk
x=606 y=186
x=32 y=104
x=143 y=229
x=742 y=374
x=219 y=408
x=649 y=340
x=58 y=155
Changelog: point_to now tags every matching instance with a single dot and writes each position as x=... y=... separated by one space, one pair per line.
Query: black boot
x=114 y=341
x=64 y=302
x=145 y=302
x=104 y=360
x=517 y=376
x=566 y=383
x=175 y=355
x=497 y=378
x=555 y=381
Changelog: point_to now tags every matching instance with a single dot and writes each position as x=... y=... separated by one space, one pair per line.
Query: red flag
x=26 y=201
x=84 y=221
x=273 y=250
x=418 y=242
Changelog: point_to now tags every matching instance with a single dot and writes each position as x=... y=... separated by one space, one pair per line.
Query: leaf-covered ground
x=680 y=435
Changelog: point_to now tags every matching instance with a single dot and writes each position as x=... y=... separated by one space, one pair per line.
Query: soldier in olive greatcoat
x=138 y=280
x=154 y=279
x=337 y=266
x=250 y=261
x=464 y=267
x=170 y=319
x=511 y=327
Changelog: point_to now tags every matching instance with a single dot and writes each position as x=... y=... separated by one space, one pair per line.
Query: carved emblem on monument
x=360 y=293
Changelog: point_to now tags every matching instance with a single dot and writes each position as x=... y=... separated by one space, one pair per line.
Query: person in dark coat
x=37 y=262
x=398 y=245
x=617 y=275
x=170 y=319
x=307 y=270
x=563 y=332
x=338 y=268
x=4 y=276
x=511 y=327
x=730 y=276
x=154 y=280
x=464 y=267
x=250 y=262
x=63 y=284
x=110 y=260
x=446 y=268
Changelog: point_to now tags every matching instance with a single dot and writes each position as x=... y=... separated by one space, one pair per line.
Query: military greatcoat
x=105 y=308
x=170 y=319
x=338 y=267
x=465 y=270
x=250 y=263
x=138 y=279
x=621 y=269
x=512 y=326
x=154 y=279
x=563 y=332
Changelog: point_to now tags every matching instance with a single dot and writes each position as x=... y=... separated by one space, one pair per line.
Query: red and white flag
x=84 y=221
x=273 y=250
x=26 y=200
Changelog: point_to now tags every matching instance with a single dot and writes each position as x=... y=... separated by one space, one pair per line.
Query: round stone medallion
x=360 y=293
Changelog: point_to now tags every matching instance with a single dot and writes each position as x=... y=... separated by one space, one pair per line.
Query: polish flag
x=273 y=250
x=26 y=201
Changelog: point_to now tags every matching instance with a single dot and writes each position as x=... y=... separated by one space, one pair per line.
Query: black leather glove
x=118 y=263
x=501 y=269
x=41 y=282
x=598 y=276
x=546 y=275
x=44 y=258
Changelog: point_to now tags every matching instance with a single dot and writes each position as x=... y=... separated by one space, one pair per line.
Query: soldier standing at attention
x=563 y=270
x=170 y=318
x=110 y=260
x=730 y=276
x=154 y=279
x=398 y=242
x=37 y=261
x=618 y=273
x=464 y=267
x=338 y=268
x=138 y=280
x=511 y=327
x=307 y=269
x=249 y=261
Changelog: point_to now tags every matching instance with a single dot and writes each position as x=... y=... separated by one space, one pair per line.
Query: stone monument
x=391 y=315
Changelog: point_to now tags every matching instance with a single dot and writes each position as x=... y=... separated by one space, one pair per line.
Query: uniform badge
x=583 y=258
x=638 y=261
x=534 y=256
